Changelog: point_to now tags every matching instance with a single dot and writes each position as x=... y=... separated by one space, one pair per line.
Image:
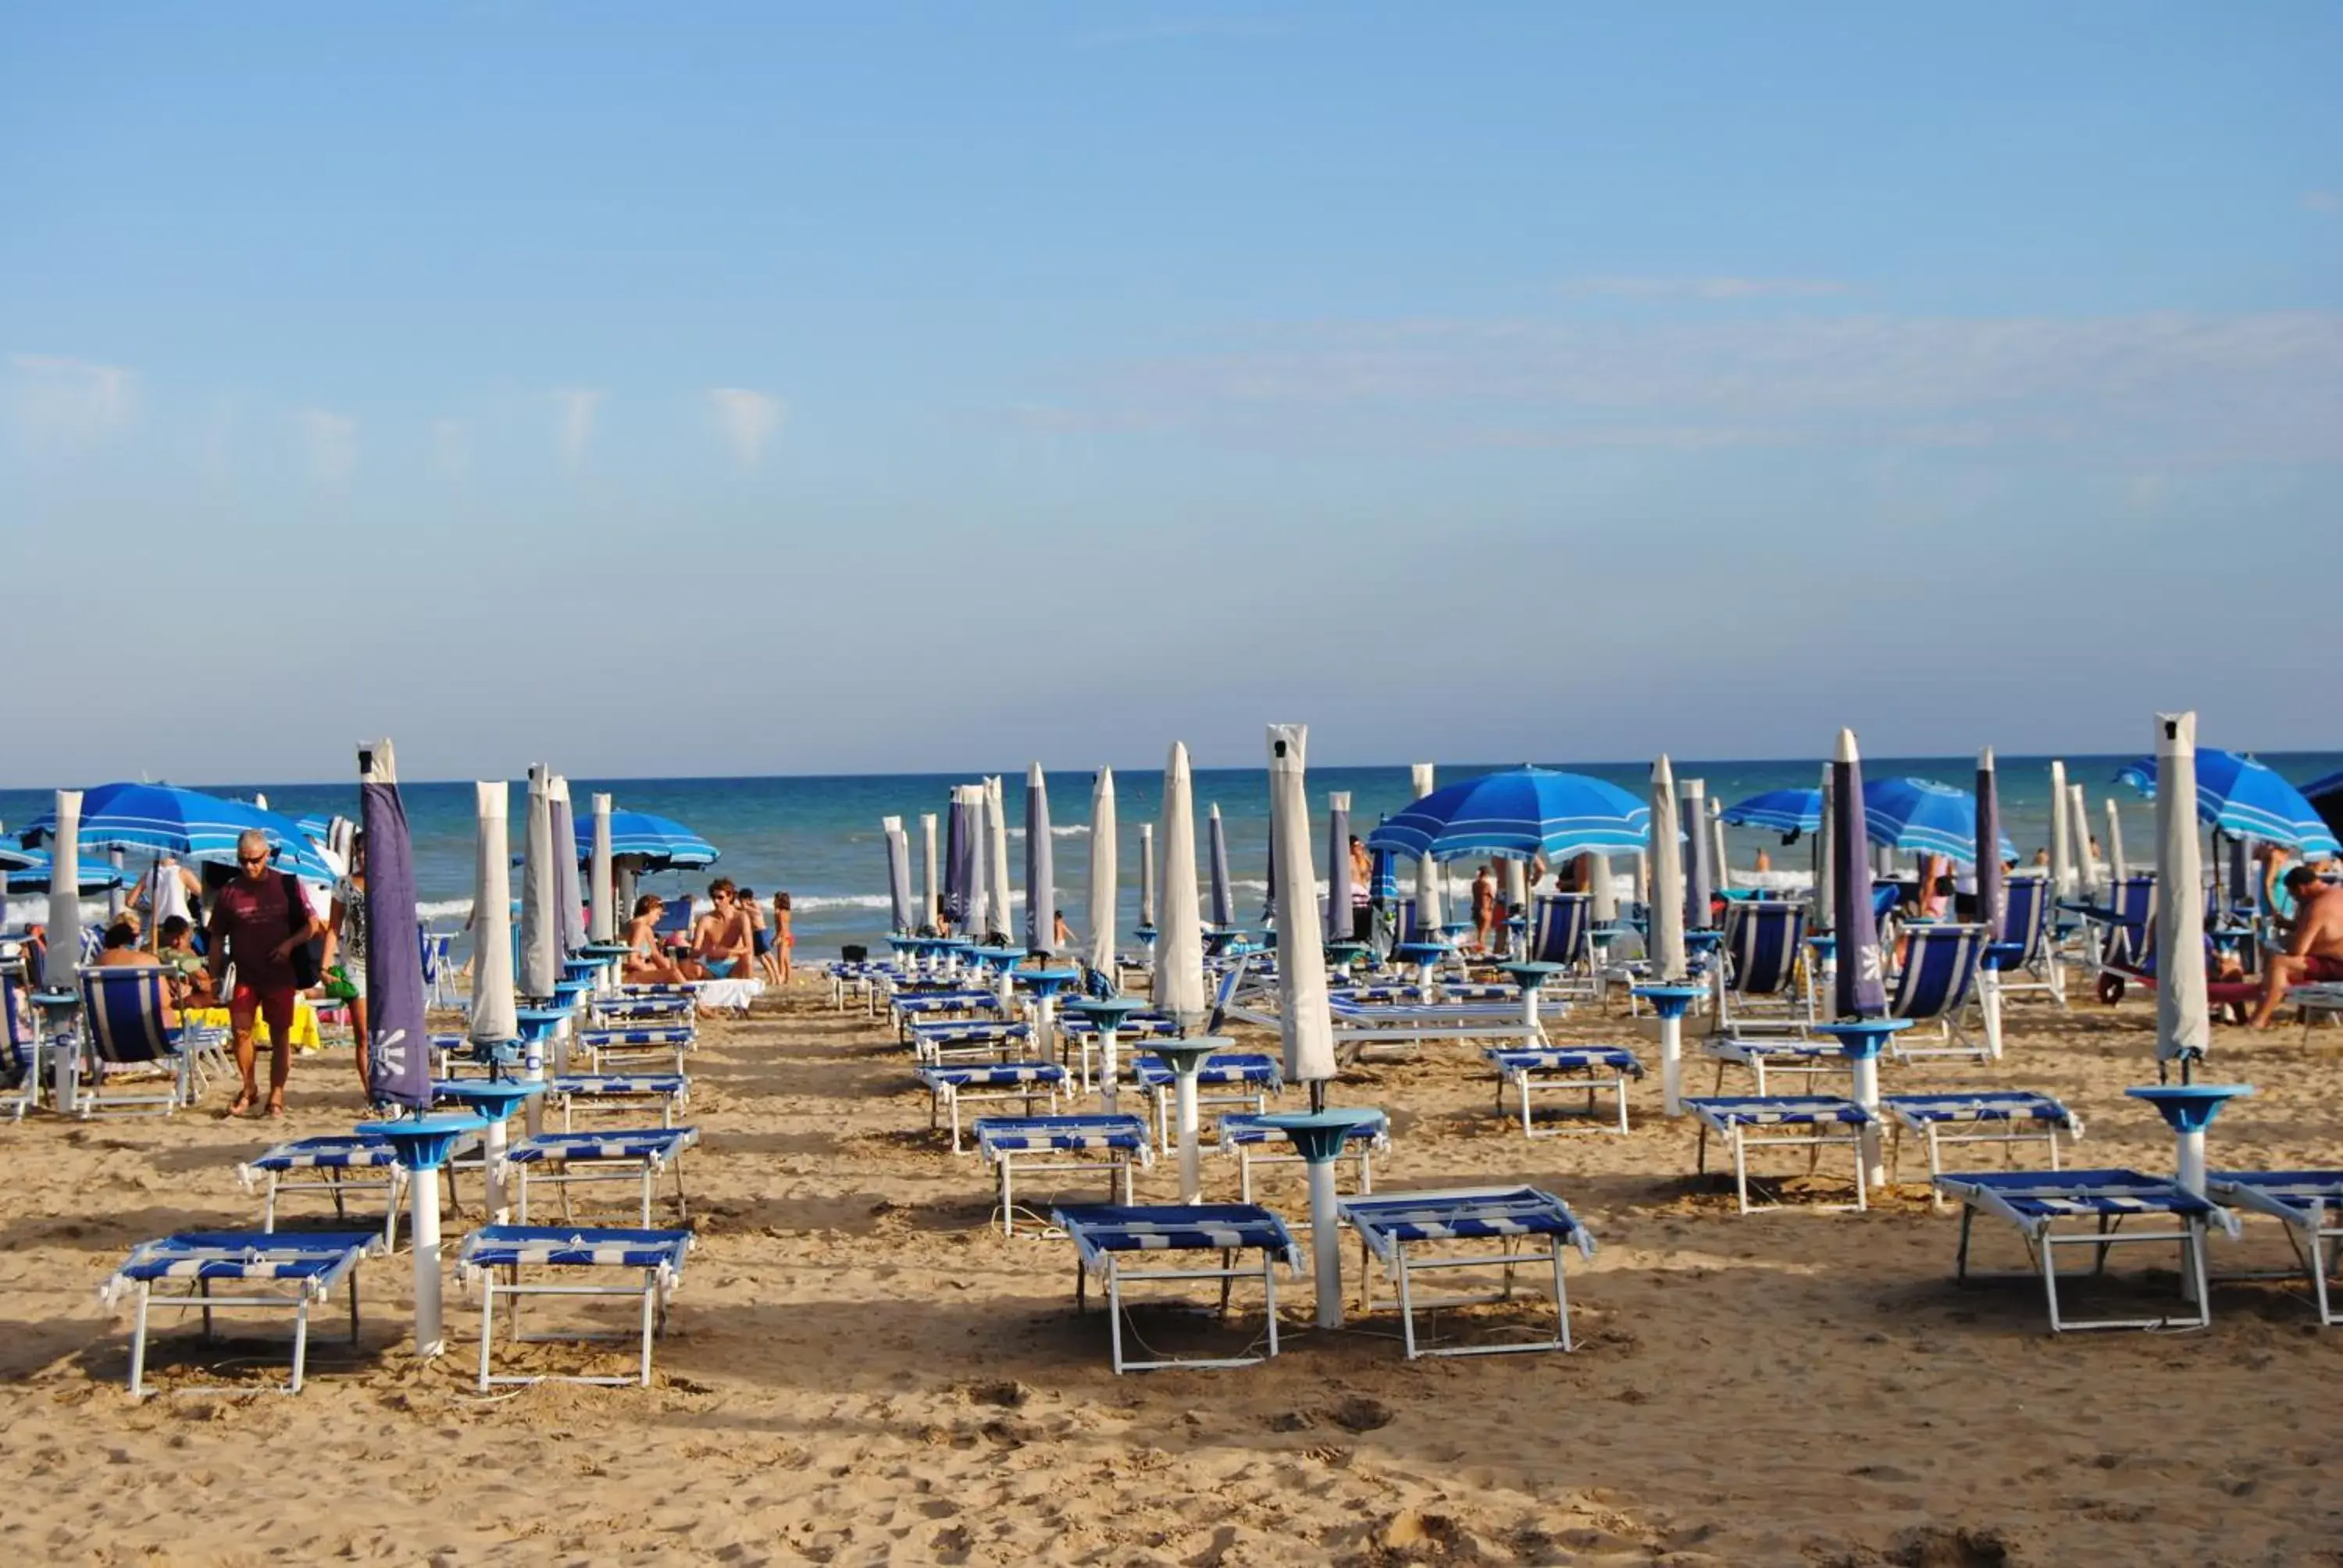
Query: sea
x=820 y=838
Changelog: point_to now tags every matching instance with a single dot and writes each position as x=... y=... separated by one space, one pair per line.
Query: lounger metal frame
x=558 y=1171
x=309 y=1289
x=2043 y=1240
x=2314 y=1229
x=1118 y=1274
x=1741 y=1133
x=655 y=1287
x=1380 y=1246
x=1565 y=1069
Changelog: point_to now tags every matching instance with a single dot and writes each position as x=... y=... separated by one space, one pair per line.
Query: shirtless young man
x=722 y=939
x=2315 y=953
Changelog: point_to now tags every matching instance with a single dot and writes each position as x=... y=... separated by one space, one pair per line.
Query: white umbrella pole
x=1192 y=1179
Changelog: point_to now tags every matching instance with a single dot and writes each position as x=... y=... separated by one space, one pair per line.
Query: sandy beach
x=860 y=1369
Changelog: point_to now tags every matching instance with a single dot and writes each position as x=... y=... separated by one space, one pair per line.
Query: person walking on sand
x=258 y=920
x=345 y=944
x=784 y=939
x=2316 y=952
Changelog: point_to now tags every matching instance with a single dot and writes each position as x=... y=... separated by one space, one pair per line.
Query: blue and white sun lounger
x=2309 y=1203
x=636 y=1154
x=311 y=1264
x=1106 y=1235
x=2035 y=1202
x=1035 y=1144
x=644 y=1004
x=325 y=1164
x=655 y=1259
x=950 y=1084
x=620 y=1091
x=1568 y=1068
x=1245 y=1077
x=966 y=1040
x=1774 y=1054
x=2008 y=1117
x=1812 y=1121
x=636 y=1046
x=1252 y=1141
x=1392 y=1223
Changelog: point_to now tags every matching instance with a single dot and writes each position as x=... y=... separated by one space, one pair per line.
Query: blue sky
x=757 y=388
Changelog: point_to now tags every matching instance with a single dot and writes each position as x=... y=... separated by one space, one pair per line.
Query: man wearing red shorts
x=2315 y=953
x=256 y=923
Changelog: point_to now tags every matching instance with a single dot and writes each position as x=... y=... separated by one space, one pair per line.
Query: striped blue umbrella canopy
x=28 y=873
x=1922 y=817
x=1779 y=811
x=1522 y=813
x=2242 y=795
x=664 y=844
x=187 y=823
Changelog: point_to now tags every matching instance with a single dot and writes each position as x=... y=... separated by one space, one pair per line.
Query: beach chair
x=649 y=1264
x=1809 y=1121
x=1765 y=1056
x=641 y=1046
x=2027 y=925
x=1039 y=1144
x=2119 y=933
x=1248 y=1139
x=628 y=1091
x=122 y=1023
x=642 y=1004
x=1761 y=983
x=2036 y=1201
x=966 y=1040
x=338 y=1165
x=2006 y=1117
x=1245 y=1077
x=20 y=1046
x=1106 y=1238
x=1407 y=1233
x=2309 y=1204
x=307 y=1266
x=1081 y=1038
x=1565 y=1069
x=438 y=967
x=1933 y=986
x=951 y=1085
x=564 y=1159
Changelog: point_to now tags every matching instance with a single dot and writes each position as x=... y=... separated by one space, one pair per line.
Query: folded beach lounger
x=1358 y=1025
x=950 y=1084
x=2036 y=1201
x=637 y=1045
x=1106 y=1238
x=1398 y=1227
x=578 y=1092
x=1564 y=1068
x=2008 y=1117
x=1038 y=1144
x=337 y=1164
x=566 y=1159
x=2309 y=1203
x=305 y=1266
x=612 y=1011
x=1245 y=1078
x=1252 y=1141
x=1774 y=1055
x=969 y=1040
x=654 y=1260
x=1810 y=1122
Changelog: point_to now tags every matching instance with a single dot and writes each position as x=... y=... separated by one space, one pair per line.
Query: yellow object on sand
x=304 y=1024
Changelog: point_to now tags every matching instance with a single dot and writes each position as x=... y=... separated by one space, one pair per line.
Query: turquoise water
x=820 y=838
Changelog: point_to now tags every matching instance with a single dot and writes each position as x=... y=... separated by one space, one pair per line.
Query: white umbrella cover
x=2182 y=1024
x=1179 y=982
x=1302 y=1018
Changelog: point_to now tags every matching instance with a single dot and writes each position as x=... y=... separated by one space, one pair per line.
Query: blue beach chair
x=1933 y=986
x=122 y=1011
x=1763 y=983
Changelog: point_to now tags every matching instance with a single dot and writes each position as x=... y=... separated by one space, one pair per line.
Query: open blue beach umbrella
x=28 y=873
x=2245 y=795
x=1522 y=813
x=1922 y=817
x=398 y=1042
x=1785 y=811
x=665 y=845
x=187 y=823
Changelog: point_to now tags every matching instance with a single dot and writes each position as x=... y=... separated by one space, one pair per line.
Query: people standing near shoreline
x=760 y=935
x=258 y=920
x=1484 y=907
x=784 y=939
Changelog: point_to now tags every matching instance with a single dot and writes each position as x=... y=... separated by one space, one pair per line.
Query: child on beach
x=783 y=938
x=761 y=935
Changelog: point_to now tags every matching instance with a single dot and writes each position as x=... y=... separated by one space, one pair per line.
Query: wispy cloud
x=2327 y=203
x=331 y=440
x=451 y=448
x=1706 y=287
x=746 y=421
x=1176 y=29
x=60 y=404
x=2265 y=387
x=573 y=430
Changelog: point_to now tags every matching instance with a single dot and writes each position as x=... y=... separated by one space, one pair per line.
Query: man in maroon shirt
x=256 y=923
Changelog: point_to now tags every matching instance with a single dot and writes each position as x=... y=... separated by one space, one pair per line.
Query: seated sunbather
x=645 y=964
x=191 y=979
x=2315 y=953
x=121 y=951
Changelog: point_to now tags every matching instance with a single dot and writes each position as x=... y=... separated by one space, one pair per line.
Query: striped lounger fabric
x=1252 y=1141
x=601 y=1091
x=1055 y=1143
x=2309 y=1203
x=310 y=1265
x=1106 y=1235
x=631 y=1155
x=1245 y=1077
x=654 y=1257
x=1569 y=1068
x=950 y=1084
x=1810 y=1059
x=322 y=1165
x=966 y=1039
x=2008 y=1117
x=1395 y=1225
x=1812 y=1121
x=2036 y=1201
x=608 y=1048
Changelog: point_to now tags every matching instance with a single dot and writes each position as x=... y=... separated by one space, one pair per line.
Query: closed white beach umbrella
x=1667 y=901
x=1304 y=1021
x=928 y=870
x=1040 y=866
x=2183 y=1026
x=996 y=877
x=1421 y=775
x=492 y=1020
x=540 y=969
x=1602 y=906
x=2117 y=869
x=2062 y=844
x=1147 y=875
x=1103 y=894
x=568 y=902
x=2087 y=865
x=900 y=914
x=600 y=887
x=58 y=969
x=980 y=916
x=1179 y=983
x=1700 y=870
